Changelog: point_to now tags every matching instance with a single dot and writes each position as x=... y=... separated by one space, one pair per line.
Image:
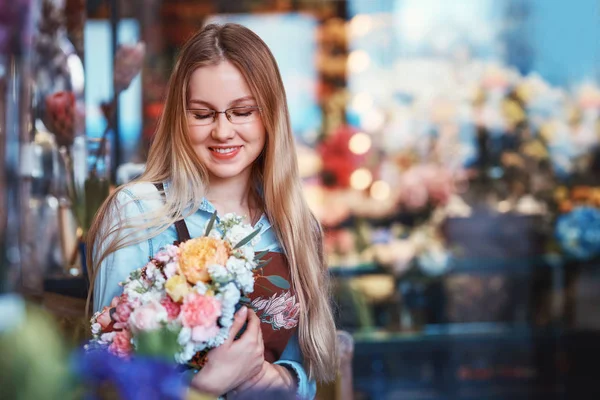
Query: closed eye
x=201 y=114
x=243 y=114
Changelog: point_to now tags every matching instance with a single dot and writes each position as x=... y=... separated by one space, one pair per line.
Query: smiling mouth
x=224 y=150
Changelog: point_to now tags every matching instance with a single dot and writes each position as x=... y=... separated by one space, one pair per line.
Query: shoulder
x=137 y=198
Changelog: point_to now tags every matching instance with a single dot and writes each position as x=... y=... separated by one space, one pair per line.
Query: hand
x=235 y=361
x=271 y=376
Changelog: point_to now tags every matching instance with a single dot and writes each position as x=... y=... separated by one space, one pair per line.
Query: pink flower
x=172 y=307
x=123 y=309
x=204 y=333
x=121 y=344
x=148 y=317
x=103 y=318
x=200 y=311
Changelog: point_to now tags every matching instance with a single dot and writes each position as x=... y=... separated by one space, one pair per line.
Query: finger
x=252 y=328
x=239 y=320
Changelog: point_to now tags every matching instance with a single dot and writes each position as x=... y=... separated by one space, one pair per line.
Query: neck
x=230 y=194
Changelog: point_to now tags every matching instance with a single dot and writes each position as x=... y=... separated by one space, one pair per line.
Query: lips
x=225 y=153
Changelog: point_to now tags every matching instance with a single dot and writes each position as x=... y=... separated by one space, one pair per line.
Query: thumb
x=238 y=323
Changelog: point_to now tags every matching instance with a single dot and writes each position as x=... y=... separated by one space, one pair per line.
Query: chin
x=227 y=172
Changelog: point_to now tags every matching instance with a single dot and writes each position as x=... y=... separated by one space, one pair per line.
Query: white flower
x=170 y=269
x=231 y=219
x=245 y=280
x=135 y=289
x=229 y=297
x=185 y=335
x=237 y=233
x=186 y=353
x=96 y=327
x=215 y=234
x=200 y=288
x=248 y=253
x=235 y=264
x=218 y=273
x=107 y=338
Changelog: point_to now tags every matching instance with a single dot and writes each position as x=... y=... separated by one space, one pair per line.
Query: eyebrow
x=231 y=103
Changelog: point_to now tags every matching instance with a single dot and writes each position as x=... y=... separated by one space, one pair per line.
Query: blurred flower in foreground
x=578 y=233
x=128 y=63
x=104 y=374
x=60 y=117
x=33 y=364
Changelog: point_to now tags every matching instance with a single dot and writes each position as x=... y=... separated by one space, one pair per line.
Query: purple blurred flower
x=15 y=25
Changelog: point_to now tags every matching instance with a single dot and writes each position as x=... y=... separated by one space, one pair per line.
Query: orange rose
x=196 y=255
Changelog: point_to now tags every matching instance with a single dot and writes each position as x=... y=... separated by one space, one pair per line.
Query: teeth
x=225 y=150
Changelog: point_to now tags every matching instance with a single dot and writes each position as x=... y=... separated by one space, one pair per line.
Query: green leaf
x=245 y=299
x=161 y=343
x=260 y=255
x=278 y=281
x=247 y=239
x=263 y=263
x=211 y=223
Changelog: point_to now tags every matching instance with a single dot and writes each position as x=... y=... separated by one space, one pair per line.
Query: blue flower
x=135 y=379
x=578 y=233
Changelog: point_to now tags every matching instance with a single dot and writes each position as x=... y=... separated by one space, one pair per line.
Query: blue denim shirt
x=117 y=266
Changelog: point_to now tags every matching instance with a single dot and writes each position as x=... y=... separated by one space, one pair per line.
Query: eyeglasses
x=235 y=115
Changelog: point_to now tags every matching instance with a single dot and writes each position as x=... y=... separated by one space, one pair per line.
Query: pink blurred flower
x=346 y=242
x=200 y=311
x=148 y=317
x=425 y=184
x=413 y=192
x=128 y=63
x=439 y=183
x=104 y=318
x=123 y=309
x=121 y=344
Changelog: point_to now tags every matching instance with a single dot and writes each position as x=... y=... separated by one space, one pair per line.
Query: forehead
x=218 y=84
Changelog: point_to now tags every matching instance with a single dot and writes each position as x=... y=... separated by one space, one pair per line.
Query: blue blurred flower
x=135 y=379
x=578 y=233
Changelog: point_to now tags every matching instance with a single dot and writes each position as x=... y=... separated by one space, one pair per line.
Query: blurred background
x=450 y=150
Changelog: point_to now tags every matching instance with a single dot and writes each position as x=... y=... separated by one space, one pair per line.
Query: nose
x=223 y=130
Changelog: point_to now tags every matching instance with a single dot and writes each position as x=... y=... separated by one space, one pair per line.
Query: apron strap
x=183 y=234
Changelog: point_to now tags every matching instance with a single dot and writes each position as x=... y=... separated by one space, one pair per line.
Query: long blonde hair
x=275 y=175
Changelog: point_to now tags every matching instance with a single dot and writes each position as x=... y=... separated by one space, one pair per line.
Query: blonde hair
x=276 y=178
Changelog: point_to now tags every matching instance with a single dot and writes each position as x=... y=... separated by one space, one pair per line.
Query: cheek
x=198 y=135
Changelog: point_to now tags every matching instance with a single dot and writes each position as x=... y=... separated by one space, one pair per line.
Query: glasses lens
x=200 y=117
x=243 y=115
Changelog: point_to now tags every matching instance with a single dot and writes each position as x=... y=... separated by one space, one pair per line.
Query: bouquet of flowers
x=182 y=303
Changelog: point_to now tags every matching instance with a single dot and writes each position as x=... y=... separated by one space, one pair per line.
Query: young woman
x=224 y=143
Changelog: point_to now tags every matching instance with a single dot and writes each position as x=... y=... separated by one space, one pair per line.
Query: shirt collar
x=206 y=206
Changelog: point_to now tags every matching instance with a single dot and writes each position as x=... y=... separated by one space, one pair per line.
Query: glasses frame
x=226 y=112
